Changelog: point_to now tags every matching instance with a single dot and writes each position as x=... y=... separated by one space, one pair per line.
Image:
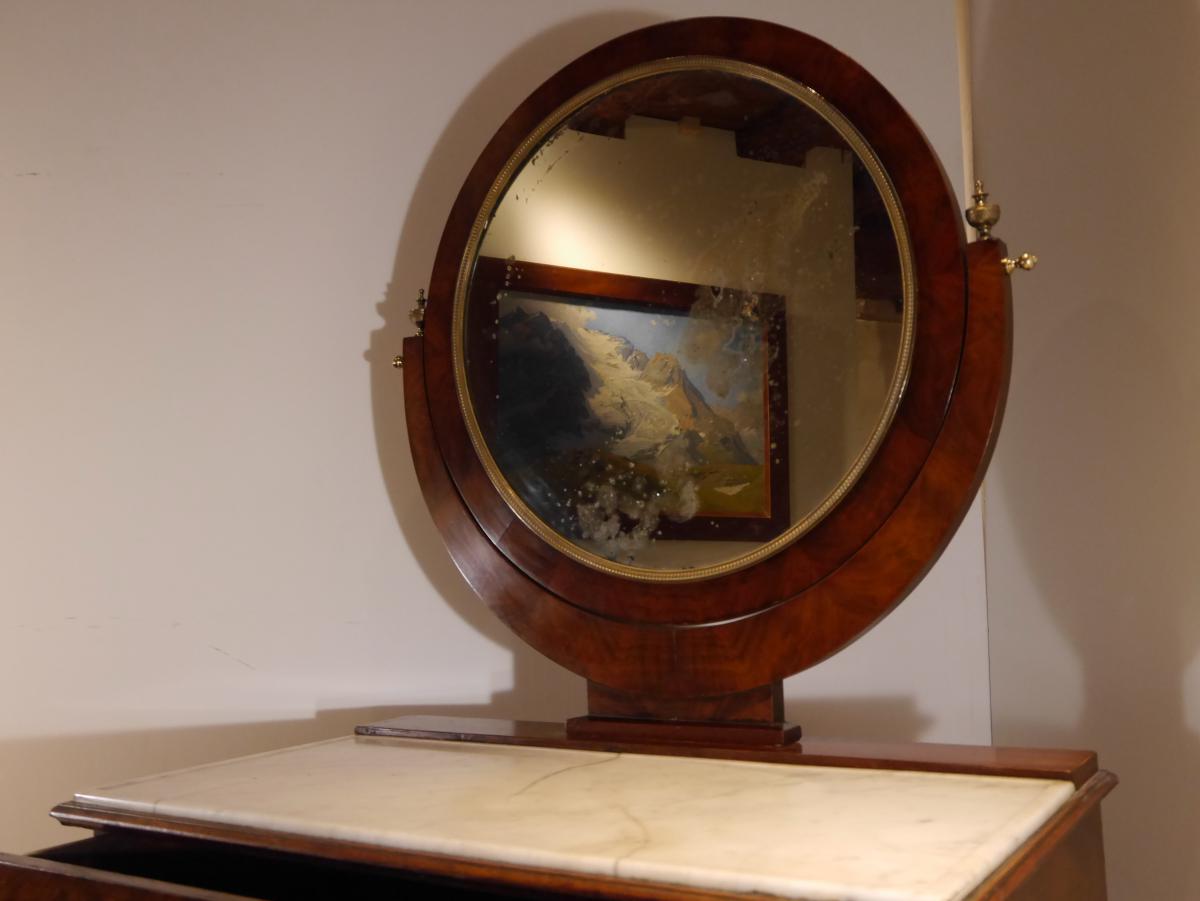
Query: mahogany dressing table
x=707 y=378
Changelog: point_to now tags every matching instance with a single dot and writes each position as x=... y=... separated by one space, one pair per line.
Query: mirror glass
x=685 y=320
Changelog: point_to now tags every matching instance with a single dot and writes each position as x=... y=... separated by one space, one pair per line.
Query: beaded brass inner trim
x=887 y=191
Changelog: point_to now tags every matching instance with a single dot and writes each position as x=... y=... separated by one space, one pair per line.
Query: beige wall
x=213 y=218
x=1087 y=125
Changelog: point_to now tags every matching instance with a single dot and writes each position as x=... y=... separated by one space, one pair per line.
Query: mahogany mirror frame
x=716 y=650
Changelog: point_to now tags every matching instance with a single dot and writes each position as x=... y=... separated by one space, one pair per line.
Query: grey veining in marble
x=794 y=831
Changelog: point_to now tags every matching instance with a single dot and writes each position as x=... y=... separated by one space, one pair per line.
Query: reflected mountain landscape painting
x=622 y=424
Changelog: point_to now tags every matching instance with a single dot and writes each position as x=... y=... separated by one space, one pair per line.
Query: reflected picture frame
x=736 y=500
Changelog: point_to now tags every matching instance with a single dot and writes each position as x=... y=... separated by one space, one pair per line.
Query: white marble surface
x=795 y=831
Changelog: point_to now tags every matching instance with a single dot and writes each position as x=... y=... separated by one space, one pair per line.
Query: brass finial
x=417 y=313
x=982 y=215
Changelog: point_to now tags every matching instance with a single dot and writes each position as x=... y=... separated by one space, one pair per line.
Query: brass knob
x=1025 y=261
x=398 y=361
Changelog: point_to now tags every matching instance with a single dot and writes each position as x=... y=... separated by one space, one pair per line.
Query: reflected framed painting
x=666 y=417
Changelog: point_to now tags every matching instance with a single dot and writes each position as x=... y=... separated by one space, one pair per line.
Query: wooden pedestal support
x=753 y=718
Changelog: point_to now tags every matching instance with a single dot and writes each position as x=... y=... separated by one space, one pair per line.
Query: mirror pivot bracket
x=1025 y=261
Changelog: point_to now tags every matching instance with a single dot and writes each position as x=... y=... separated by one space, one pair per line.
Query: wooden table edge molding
x=1040 y=858
x=1064 y=859
x=460 y=869
x=33 y=877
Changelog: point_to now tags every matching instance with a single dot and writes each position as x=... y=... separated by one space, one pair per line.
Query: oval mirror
x=708 y=375
x=684 y=319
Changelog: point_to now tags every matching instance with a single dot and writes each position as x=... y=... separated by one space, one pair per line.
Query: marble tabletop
x=792 y=831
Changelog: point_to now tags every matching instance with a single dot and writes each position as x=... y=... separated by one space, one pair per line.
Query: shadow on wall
x=894 y=718
x=1088 y=129
x=541 y=689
